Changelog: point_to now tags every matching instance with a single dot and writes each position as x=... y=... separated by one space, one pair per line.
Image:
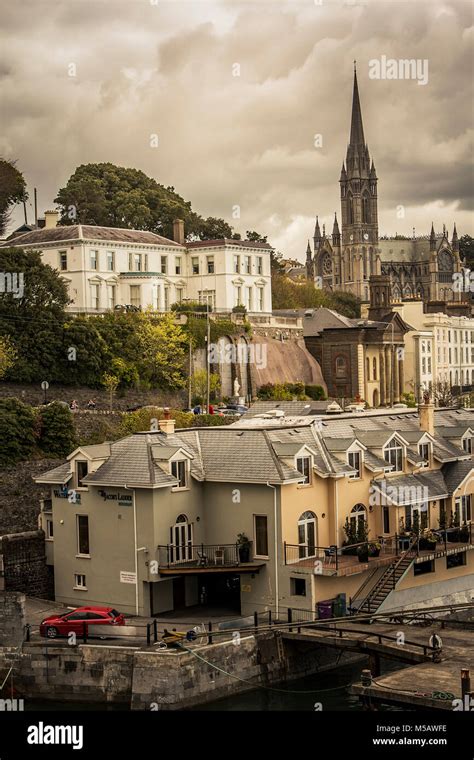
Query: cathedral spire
x=308 y=251
x=432 y=238
x=357 y=130
x=317 y=231
x=455 y=241
x=336 y=235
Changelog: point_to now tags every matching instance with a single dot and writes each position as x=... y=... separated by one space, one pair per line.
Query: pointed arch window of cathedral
x=350 y=209
x=365 y=209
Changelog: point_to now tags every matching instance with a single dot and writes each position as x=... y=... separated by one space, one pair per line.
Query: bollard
x=155 y=631
x=465 y=682
x=148 y=634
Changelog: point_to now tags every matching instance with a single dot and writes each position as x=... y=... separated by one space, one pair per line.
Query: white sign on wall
x=127 y=577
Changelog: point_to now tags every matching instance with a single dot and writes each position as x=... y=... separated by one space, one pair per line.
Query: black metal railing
x=311 y=556
x=204 y=555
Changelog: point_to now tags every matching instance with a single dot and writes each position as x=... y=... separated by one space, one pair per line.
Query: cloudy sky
x=236 y=92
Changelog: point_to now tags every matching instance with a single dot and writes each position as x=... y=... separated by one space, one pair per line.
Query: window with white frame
x=81 y=470
x=93 y=259
x=179 y=294
x=238 y=295
x=110 y=261
x=80 y=581
x=462 y=509
x=63 y=260
x=49 y=529
x=237 y=264
x=259 y=265
x=137 y=262
x=354 y=460
x=303 y=465
x=248 y=265
x=163 y=264
x=210 y=264
x=180 y=471
x=94 y=296
x=424 y=450
x=393 y=454
x=467 y=444
x=307 y=535
x=177 y=265
x=261 y=299
x=82 y=535
x=261 y=535
x=248 y=298
x=195 y=264
x=135 y=295
x=111 y=296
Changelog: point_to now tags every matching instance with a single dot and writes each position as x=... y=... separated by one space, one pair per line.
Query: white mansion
x=107 y=267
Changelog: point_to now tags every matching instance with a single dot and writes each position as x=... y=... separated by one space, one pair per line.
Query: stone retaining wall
x=12 y=619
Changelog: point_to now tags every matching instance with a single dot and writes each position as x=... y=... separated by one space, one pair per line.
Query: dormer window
x=424 y=450
x=81 y=471
x=354 y=460
x=467 y=444
x=180 y=472
x=303 y=465
x=393 y=454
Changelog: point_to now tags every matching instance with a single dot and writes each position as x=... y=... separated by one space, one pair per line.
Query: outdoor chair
x=219 y=556
x=330 y=554
x=203 y=559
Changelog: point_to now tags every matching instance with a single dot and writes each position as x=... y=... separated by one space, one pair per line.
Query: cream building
x=150 y=523
x=106 y=268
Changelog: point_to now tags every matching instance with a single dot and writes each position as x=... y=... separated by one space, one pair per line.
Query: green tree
x=163 y=347
x=57 y=432
x=110 y=383
x=115 y=196
x=215 y=229
x=255 y=237
x=7 y=355
x=18 y=430
x=86 y=355
x=199 y=384
x=33 y=316
x=466 y=250
x=12 y=190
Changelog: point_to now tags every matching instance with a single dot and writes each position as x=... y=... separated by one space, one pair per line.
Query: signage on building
x=127 y=577
x=124 y=499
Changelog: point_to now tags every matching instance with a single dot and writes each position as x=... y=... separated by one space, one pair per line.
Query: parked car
x=241 y=408
x=73 y=621
x=230 y=412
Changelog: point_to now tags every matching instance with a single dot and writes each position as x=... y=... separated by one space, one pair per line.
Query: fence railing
x=204 y=555
x=307 y=555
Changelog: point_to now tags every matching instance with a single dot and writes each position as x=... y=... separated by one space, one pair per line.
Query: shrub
x=315 y=392
x=57 y=432
x=18 y=430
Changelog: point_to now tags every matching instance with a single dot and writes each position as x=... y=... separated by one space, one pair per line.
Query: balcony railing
x=203 y=555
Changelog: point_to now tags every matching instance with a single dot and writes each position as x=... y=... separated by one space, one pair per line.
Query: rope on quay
x=441 y=695
x=260 y=686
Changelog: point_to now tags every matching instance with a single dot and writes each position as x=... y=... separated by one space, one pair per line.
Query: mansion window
x=177 y=265
x=210 y=264
x=93 y=259
x=95 y=296
x=261 y=535
x=354 y=461
x=303 y=465
x=135 y=295
x=166 y=293
x=179 y=294
x=260 y=298
x=138 y=262
x=180 y=472
x=238 y=296
x=393 y=454
x=195 y=265
x=259 y=265
x=247 y=265
x=110 y=261
x=237 y=264
x=63 y=261
x=163 y=264
x=111 y=296
x=248 y=299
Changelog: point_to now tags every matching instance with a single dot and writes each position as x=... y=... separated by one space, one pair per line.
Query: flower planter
x=374 y=553
x=363 y=557
x=244 y=553
x=427 y=545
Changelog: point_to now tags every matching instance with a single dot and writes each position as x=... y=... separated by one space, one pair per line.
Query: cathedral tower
x=359 y=222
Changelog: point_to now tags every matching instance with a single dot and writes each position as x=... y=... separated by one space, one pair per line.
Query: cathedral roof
x=357 y=129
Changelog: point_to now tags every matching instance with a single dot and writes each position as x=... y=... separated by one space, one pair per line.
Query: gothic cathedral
x=418 y=267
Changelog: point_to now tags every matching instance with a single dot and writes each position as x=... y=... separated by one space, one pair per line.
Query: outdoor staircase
x=388 y=580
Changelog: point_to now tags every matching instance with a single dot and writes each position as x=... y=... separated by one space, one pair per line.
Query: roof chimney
x=426 y=414
x=51 y=219
x=178 y=231
x=166 y=424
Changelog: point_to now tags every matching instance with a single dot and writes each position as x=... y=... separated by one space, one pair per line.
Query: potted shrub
x=351 y=538
x=374 y=548
x=243 y=547
x=464 y=533
x=428 y=540
x=363 y=553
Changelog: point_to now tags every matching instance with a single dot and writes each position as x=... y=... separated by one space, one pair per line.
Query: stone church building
x=418 y=267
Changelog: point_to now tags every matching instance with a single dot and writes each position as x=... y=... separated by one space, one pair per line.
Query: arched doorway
x=307 y=534
x=181 y=540
x=357 y=520
x=375 y=400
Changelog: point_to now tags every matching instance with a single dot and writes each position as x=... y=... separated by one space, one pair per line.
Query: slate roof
x=57 y=476
x=408 y=489
x=455 y=472
x=90 y=232
x=228 y=241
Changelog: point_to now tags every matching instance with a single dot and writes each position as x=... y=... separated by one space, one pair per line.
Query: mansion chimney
x=51 y=219
x=166 y=424
x=426 y=414
x=178 y=231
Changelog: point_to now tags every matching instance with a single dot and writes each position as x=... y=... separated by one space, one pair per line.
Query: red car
x=73 y=621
